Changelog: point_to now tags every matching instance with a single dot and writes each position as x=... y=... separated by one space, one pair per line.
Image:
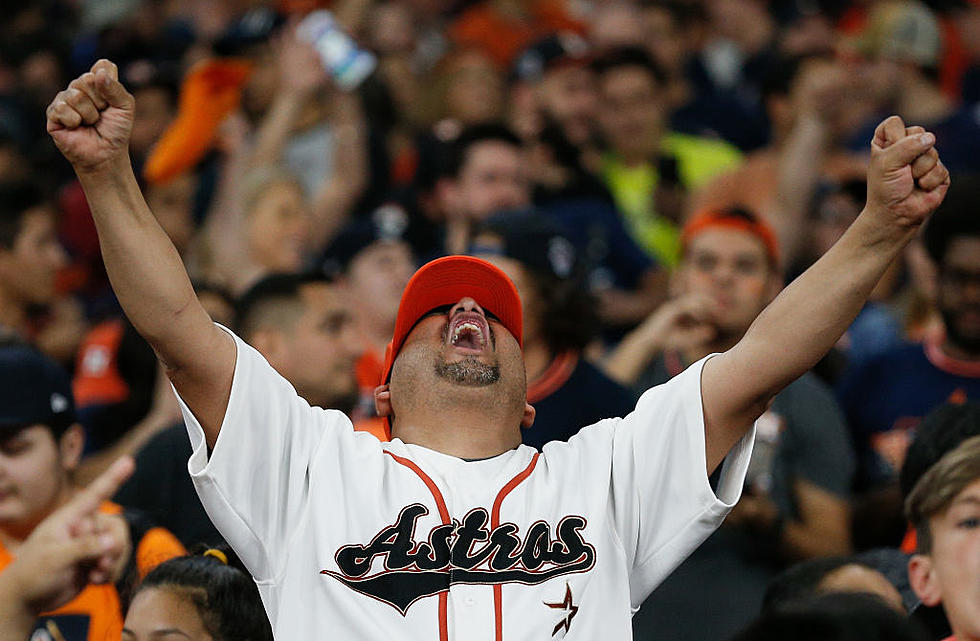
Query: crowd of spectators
x=650 y=174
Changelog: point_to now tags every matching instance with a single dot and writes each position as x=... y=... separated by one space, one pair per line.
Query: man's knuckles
x=936 y=177
x=925 y=163
x=83 y=104
x=63 y=114
x=86 y=83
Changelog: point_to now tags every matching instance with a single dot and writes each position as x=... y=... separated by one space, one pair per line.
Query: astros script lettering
x=415 y=570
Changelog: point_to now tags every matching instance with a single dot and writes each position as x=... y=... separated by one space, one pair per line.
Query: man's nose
x=466 y=304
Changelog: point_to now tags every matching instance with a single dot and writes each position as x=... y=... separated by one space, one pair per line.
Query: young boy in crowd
x=944 y=508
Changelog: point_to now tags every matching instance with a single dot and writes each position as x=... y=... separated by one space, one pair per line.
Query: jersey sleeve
x=255 y=483
x=663 y=506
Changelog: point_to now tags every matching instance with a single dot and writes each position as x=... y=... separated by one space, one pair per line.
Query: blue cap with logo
x=34 y=390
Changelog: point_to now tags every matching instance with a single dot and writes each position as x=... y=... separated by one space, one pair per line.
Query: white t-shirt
x=350 y=538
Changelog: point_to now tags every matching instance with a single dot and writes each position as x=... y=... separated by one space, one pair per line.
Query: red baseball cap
x=447 y=280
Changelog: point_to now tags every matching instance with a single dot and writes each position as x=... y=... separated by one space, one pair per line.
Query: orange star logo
x=568 y=607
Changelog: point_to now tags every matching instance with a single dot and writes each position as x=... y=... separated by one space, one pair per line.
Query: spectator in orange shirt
x=40 y=447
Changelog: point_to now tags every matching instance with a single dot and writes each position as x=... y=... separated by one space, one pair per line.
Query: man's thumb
x=906 y=150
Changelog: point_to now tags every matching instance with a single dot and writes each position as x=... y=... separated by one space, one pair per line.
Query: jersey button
x=469 y=601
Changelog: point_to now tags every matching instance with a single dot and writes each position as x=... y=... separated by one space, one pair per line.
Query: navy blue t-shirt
x=572 y=394
x=886 y=398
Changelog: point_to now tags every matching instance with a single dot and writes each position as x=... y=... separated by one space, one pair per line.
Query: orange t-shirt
x=96 y=613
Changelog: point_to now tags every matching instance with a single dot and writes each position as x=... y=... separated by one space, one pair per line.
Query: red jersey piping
x=444 y=515
x=498 y=597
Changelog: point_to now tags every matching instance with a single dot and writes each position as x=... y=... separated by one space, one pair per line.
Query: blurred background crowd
x=650 y=173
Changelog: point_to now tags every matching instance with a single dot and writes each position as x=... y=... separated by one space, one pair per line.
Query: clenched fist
x=906 y=180
x=91 y=120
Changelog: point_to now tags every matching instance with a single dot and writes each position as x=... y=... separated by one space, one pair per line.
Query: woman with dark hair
x=205 y=597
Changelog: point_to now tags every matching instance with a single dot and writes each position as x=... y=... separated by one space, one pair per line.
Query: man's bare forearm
x=90 y=123
x=144 y=268
x=806 y=320
x=154 y=290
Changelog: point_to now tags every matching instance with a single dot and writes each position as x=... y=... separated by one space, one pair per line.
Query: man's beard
x=969 y=343
x=469 y=372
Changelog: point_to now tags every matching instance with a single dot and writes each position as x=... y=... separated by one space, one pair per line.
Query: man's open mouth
x=468 y=332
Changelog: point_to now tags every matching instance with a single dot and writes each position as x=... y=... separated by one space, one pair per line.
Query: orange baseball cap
x=445 y=281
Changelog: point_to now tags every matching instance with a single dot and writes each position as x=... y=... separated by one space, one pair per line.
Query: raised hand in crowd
x=680 y=323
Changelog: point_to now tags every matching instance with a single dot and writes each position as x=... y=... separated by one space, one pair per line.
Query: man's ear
x=382 y=400
x=70 y=447
x=528 y=419
x=923 y=579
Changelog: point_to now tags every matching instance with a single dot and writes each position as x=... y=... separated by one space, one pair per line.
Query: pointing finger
x=87 y=501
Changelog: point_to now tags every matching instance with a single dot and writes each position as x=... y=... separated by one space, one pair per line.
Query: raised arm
x=906 y=182
x=90 y=123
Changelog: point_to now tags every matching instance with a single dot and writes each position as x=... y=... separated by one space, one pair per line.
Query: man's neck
x=646 y=156
x=462 y=437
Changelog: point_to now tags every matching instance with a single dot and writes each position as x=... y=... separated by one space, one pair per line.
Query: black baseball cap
x=532 y=238
x=387 y=223
x=565 y=48
x=33 y=390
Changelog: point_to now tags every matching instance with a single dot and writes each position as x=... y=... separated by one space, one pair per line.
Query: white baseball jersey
x=350 y=538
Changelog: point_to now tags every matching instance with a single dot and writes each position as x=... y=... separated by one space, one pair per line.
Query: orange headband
x=711 y=219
